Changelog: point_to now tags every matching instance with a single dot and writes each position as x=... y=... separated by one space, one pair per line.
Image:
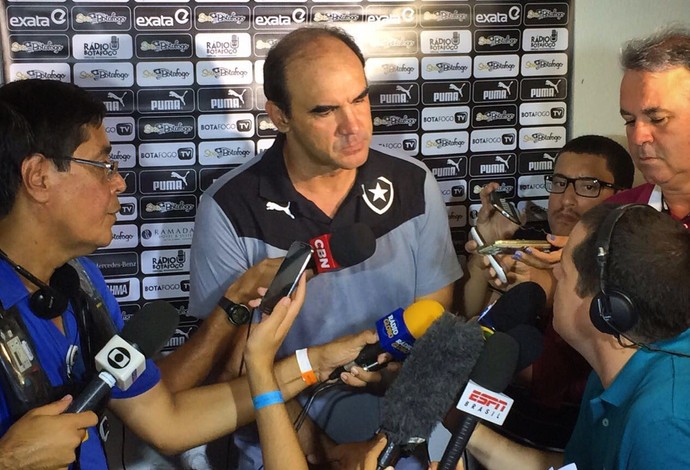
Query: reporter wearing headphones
x=621 y=300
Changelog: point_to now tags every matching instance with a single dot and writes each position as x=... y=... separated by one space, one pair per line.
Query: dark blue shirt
x=52 y=346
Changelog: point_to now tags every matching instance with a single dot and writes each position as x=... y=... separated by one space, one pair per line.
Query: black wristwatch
x=238 y=314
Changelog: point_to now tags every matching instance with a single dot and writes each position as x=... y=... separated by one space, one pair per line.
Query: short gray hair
x=663 y=50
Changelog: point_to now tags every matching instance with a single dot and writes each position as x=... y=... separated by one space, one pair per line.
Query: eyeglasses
x=110 y=166
x=585 y=187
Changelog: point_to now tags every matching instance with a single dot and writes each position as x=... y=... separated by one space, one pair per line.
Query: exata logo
x=279 y=17
x=37 y=18
x=152 y=18
x=500 y=14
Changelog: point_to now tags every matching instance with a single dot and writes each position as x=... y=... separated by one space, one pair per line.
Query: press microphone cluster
x=438 y=365
x=512 y=344
x=345 y=247
x=123 y=359
x=397 y=333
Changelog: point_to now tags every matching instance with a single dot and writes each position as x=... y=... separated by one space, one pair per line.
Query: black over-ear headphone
x=611 y=311
x=47 y=302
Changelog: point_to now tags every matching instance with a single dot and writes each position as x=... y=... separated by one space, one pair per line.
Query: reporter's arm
x=279 y=444
x=497 y=452
x=175 y=422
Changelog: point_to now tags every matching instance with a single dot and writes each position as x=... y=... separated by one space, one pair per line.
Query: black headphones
x=611 y=311
x=47 y=302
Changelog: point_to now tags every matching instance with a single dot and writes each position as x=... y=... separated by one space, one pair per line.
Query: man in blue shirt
x=58 y=202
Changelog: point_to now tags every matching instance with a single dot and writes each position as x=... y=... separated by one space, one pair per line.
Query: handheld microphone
x=518 y=306
x=426 y=387
x=491 y=376
x=123 y=359
x=345 y=247
x=397 y=332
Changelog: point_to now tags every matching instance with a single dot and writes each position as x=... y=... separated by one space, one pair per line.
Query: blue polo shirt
x=51 y=349
x=642 y=421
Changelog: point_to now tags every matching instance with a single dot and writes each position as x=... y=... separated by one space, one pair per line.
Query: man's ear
x=278 y=116
x=36 y=177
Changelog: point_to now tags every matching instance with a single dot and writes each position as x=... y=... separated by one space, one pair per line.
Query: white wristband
x=305 y=368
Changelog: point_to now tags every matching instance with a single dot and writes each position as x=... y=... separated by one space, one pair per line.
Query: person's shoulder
x=238 y=178
x=401 y=167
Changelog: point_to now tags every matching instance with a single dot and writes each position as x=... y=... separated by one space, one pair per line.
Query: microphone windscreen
x=531 y=343
x=352 y=244
x=151 y=327
x=65 y=280
x=497 y=363
x=439 y=364
x=519 y=305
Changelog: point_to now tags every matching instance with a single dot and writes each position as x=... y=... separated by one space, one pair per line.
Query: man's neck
x=609 y=358
x=677 y=200
x=25 y=247
x=325 y=186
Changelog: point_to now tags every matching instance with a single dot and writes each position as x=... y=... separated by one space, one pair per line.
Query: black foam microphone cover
x=151 y=327
x=519 y=305
x=531 y=343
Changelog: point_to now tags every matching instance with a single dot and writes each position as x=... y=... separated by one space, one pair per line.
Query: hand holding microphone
x=397 y=332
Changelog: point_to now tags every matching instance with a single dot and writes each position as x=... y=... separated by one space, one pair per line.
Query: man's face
x=566 y=209
x=570 y=312
x=85 y=201
x=656 y=109
x=330 y=125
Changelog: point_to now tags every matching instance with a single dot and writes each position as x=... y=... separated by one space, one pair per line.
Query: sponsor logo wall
x=478 y=90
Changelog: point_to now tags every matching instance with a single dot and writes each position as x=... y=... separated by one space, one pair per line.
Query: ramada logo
x=164 y=234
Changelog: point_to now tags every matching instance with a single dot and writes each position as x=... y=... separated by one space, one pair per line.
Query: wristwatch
x=238 y=314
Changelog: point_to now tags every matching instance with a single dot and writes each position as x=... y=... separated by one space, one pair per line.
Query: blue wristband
x=267 y=399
